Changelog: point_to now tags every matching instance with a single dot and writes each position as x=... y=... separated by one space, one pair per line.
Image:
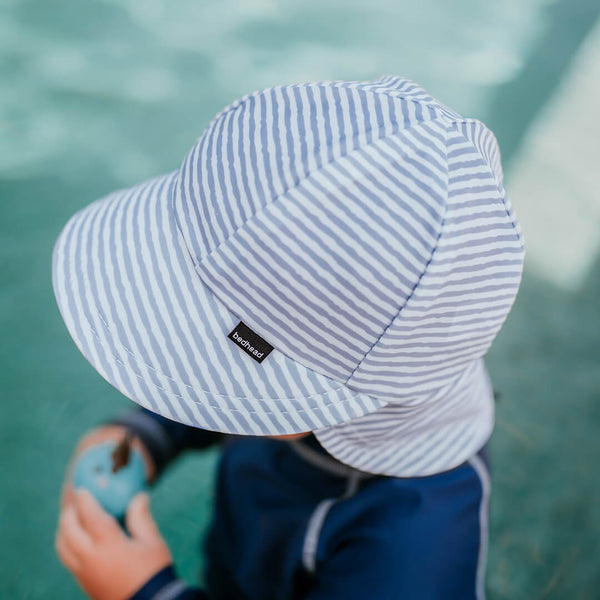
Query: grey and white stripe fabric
x=360 y=228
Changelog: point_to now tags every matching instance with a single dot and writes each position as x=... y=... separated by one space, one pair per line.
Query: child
x=331 y=262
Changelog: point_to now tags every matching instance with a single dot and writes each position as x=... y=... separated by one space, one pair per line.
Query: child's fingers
x=94 y=519
x=66 y=555
x=67 y=495
x=72 y=533
x=140 y=523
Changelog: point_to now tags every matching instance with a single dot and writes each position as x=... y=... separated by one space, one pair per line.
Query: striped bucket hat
x=326 y=251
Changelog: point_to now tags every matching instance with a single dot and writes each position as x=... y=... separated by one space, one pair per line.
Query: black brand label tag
x=251 y=343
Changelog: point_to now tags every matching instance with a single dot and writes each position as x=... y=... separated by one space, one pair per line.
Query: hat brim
x=127 y=290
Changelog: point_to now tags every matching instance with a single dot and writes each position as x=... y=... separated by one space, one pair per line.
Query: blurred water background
x=101 y=94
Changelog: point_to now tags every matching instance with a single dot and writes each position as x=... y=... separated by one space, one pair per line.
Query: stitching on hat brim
x=208 y=392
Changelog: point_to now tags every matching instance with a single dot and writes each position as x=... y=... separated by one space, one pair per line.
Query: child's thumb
x=139 y=520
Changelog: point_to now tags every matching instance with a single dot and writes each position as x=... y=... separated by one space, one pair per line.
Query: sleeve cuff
x=163 y=580
x=165 y=586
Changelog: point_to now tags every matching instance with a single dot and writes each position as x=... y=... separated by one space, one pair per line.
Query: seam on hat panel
x=358 y=435
x=503 y=198
x=196 y=390
x=504 y=195
x=310 y=174
x=442 y=224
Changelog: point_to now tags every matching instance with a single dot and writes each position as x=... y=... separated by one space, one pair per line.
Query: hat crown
x=342 y=220
x=269 y=141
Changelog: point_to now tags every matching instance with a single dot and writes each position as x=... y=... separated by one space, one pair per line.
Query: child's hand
x=108 y=564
